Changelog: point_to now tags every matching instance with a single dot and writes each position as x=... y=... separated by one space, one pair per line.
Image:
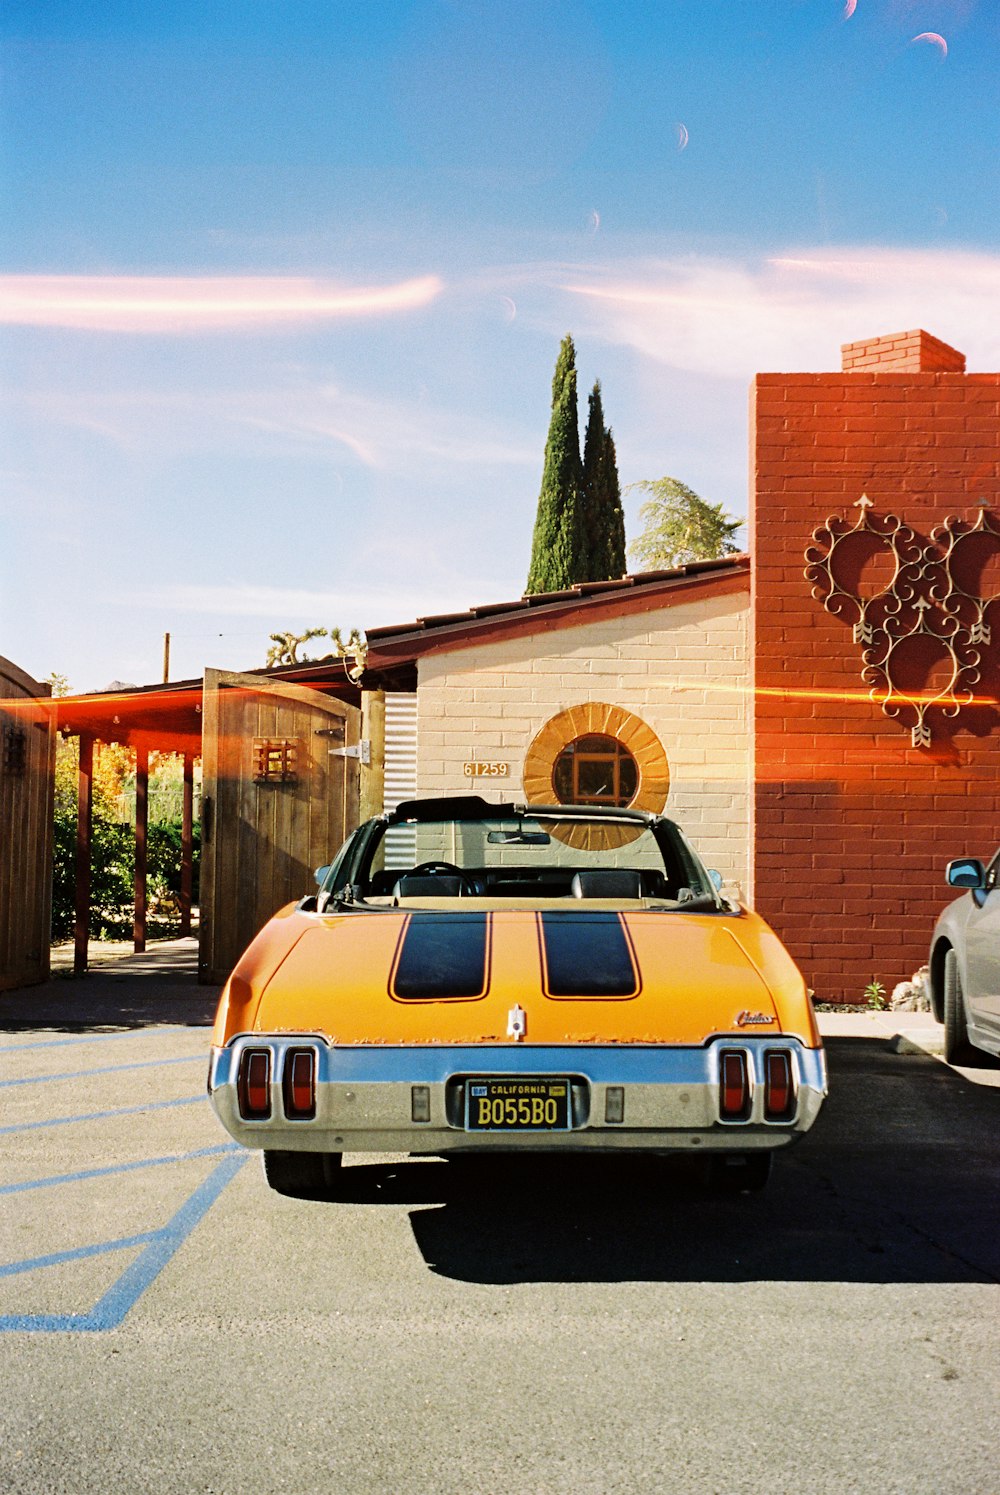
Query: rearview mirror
x=966 y=872
x=518 y=838
x=321 y=874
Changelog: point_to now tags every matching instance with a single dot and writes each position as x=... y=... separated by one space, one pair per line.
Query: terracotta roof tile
x=419 y=632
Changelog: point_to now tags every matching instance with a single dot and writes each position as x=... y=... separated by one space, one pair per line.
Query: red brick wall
x=853 y=826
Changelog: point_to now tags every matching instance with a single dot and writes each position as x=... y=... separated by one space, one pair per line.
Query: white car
x=965 y=962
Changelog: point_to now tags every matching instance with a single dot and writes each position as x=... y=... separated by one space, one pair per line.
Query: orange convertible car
x=475 y=976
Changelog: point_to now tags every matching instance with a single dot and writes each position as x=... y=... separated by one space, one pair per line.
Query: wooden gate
x=27 y=762
x=278 y=799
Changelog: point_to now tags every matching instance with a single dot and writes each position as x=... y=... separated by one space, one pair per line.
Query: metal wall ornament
x=956 y=538
x=826 y=565
x=924 y=615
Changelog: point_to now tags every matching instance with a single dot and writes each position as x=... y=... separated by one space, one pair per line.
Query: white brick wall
x=683 y=669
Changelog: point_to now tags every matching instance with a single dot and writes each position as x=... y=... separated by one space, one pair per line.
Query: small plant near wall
x=875 y=995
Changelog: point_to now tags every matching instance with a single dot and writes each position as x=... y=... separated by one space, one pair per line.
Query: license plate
x=517 y=1105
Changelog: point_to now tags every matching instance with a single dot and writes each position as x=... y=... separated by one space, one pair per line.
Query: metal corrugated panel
x=400 y=773
x=400 y=748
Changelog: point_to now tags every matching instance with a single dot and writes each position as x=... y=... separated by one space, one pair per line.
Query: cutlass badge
x=517 y=1022
x=747 y=1019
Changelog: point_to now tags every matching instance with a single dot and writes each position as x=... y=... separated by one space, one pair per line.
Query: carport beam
x=187 y=843
x=141 y=838
x=84 y=826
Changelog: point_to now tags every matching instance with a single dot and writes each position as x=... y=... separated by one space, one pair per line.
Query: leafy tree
x=681 y=527
x=285 y=646
x=356 y=648
x=602 y=519
x=285 y=649
x=557 y=551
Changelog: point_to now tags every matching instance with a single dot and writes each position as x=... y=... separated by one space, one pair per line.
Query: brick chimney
x=913 y=352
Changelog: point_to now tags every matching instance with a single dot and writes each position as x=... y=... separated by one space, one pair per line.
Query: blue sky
x=282 y=284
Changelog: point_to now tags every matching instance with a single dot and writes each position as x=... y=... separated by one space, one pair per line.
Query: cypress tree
x=615 y=564
x=556 y=560
x=602 y=517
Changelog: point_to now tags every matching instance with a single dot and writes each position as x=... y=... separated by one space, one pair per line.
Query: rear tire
x=303 y=1175
x=957 y=1048
x=739 y=1173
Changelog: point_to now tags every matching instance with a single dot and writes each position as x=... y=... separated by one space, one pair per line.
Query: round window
x=595 y=770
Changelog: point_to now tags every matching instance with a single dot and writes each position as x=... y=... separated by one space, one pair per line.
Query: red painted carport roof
x=167 y=718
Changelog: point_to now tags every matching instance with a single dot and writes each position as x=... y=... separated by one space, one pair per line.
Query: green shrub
x=112 y=886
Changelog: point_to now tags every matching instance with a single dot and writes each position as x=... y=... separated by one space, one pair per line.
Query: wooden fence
x=27 y=759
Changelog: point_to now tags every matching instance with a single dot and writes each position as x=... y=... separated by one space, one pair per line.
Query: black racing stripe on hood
x=587 y=955
x=441 y=956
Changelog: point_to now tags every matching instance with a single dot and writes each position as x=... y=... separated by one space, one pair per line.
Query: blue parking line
x=107 y=1069
x=153 y=1105
x=111 y=1309
x=56 y=1043
x=57 y=1258
x=75 y=1178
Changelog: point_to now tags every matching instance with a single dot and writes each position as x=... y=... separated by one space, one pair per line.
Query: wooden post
x=84 y=826
x=187 y=843
x=372 y=786
x=141 y=840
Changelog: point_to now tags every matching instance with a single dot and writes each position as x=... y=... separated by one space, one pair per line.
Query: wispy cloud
x=732 y=317
x=186 y=305
x=385 y=434
x=286 y=607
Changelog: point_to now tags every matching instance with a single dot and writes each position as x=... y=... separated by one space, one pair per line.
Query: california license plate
x=517 y=1105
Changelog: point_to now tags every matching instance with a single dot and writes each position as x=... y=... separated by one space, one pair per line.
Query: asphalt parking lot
x=167 y=1323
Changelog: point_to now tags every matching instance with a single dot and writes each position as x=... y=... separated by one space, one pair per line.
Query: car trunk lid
x=599 y=976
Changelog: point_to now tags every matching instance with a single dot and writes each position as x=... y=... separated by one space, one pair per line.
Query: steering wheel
x=444 y=869
x=448 y=869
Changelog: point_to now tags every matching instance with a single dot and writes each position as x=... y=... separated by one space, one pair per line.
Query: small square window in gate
x=15 y=752
x=275 y=760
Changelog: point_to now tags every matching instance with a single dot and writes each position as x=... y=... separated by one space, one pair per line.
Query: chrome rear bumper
x=365 y=1096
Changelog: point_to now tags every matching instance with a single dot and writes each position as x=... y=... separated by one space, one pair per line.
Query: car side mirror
x=715 y=878
x=321 y=874
x=966 y=872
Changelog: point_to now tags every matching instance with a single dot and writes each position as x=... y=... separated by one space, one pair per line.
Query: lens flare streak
x=176 y=304
x=935 y=40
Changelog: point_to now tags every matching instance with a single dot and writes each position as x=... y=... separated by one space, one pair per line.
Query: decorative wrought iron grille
x=927 y=620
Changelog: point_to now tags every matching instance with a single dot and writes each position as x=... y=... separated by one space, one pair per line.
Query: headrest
x=430 y=885
x=613 y=882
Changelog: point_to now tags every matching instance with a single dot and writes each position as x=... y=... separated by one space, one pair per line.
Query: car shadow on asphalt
x=898 y=1182
x=109 y=1002
x=156 y=988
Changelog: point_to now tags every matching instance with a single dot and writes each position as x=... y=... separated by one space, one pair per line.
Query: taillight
x=254 y=1085
x=779 y=1093
x=299 y=1084
x=734 y=1086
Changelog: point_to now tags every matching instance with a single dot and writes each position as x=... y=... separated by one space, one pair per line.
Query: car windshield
x=532 y=855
